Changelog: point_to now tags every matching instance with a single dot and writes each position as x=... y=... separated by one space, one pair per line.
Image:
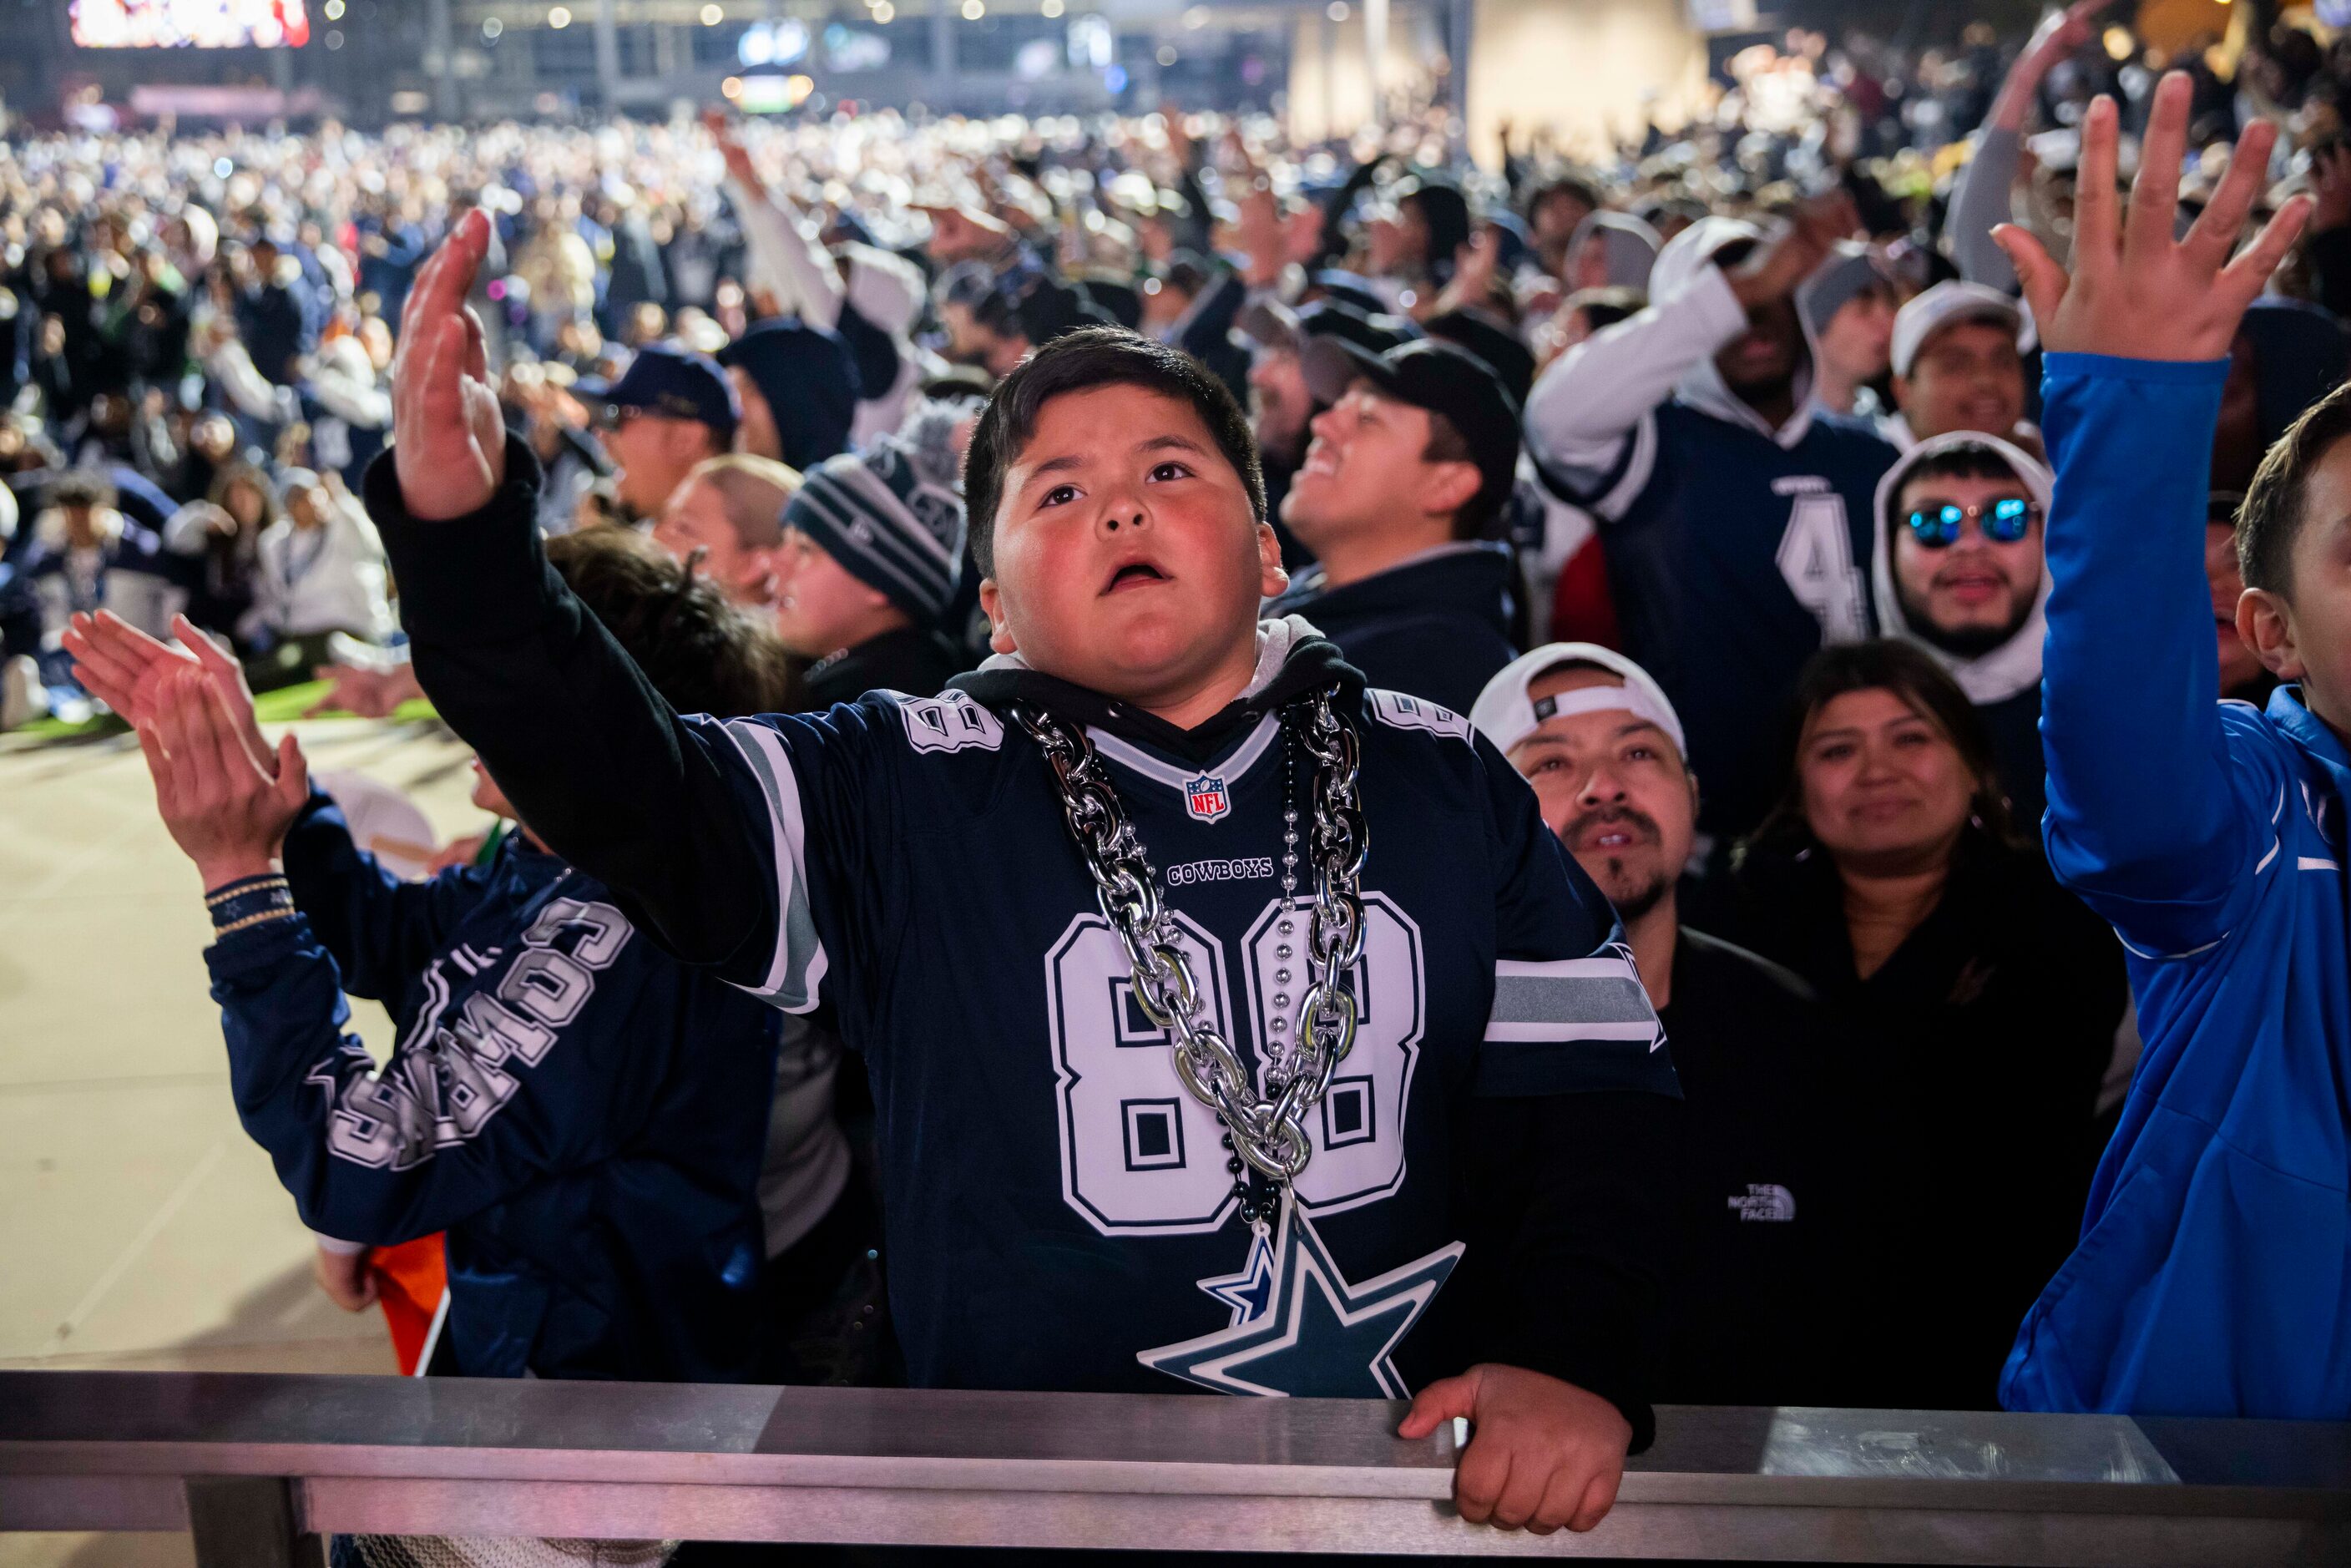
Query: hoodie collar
x=2312 y=735
x=1293 y=658
x=1474 y=571
x=2015 y=664
x=1703 y=389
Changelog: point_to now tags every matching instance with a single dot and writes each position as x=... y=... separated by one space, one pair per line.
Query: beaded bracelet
x=253 y=895
x=244 y=885
x=248 y=922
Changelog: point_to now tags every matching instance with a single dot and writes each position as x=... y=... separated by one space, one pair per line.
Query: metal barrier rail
x=258 y=1465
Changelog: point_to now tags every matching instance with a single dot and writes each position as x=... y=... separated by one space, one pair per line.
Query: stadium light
x=1166 y=56
x=559 y=17
x=973 y=10
x=1051 y=9
x=491 y=27
x=713 y=14
x=884 y=10
x=333 y=10
x=1337 y=11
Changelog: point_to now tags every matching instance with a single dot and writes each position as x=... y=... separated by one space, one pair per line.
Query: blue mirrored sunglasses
x=1937 y=523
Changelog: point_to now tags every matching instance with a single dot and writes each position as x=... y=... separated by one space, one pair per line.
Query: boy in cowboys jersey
x=1172 y=1080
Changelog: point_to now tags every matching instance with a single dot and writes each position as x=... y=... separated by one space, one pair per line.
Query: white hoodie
x=2015 y=664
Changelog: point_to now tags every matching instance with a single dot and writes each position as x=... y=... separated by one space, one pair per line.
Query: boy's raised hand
x=449 y=442
x=2135 y=292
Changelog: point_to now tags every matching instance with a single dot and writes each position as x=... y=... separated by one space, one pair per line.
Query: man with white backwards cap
x=1760 y=1195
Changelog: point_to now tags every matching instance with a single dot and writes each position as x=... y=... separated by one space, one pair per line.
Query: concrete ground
x=140 y=1228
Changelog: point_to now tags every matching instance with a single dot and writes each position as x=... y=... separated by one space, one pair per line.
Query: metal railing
x=257 y=1467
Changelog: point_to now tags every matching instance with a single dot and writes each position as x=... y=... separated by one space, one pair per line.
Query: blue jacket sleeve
x=2145 y=822
x=445 y=1131
x=379 y=931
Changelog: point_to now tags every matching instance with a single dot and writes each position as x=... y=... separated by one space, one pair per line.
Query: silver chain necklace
x=1265 y=1132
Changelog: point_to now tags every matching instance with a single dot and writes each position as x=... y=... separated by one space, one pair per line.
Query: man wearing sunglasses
x=1958 y=570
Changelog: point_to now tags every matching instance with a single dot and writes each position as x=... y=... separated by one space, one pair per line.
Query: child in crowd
x=2210 y=1279
x=1210 y=1093
x=598 y=1128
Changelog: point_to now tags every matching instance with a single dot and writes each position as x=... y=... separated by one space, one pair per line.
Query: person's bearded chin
x=1632 y=901
x=1968 y=642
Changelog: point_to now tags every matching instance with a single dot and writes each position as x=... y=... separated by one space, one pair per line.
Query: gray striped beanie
x=891 y=518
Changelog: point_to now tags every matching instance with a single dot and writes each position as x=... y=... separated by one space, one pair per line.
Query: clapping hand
x=125 y=669
x=449 y=441
x=223 y=808
x=2135 y=291
x=1544 y=1454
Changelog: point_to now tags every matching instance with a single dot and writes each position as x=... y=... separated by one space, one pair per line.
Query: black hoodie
x=1435 y=626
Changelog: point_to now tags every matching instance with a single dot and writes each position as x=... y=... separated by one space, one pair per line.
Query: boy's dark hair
x=1923 y=686
x=1080 y=361
x=2274 y=502
x=1962 y=460
x=702 y=654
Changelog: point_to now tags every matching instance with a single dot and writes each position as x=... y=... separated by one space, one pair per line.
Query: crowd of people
x=1768 y=496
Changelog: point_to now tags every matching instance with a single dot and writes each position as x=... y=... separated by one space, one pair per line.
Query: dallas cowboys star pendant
x=1300 y=1328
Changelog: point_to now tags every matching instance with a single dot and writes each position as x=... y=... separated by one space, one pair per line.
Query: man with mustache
x=1958 y=570
x=1765 y=1240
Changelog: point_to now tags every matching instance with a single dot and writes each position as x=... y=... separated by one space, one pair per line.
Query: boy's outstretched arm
x=593 y=758
x=2144 y=816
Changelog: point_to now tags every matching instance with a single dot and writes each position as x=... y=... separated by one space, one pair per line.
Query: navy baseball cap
x=1441 y=377
x=675 y=383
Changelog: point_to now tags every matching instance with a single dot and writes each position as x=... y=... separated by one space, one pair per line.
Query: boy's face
x=1127 y=557
x=2304 y=635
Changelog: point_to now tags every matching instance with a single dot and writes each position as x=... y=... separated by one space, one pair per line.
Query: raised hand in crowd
x=126 y=669
x=2135 y=291
x=223 y=808
x=369 y=694
x=1473 y=271
x=2059 y=35
x=730 y=147
x=1784 y=260
x=449 y=438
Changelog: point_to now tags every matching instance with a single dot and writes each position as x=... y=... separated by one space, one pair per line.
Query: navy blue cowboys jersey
x=1054 y=1198
x=1732 y=560
x=1056 y=1204
x=583 y=1114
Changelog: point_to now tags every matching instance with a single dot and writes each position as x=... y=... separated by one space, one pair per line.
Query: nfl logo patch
x=1205 y=796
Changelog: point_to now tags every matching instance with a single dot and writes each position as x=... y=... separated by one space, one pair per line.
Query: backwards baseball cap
x=1505 y=716
x=1442 y=378
x=891 y=517
x=1950 y=302
x=672 y=382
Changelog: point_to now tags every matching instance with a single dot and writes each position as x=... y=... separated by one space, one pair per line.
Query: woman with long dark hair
x=1982 y=999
